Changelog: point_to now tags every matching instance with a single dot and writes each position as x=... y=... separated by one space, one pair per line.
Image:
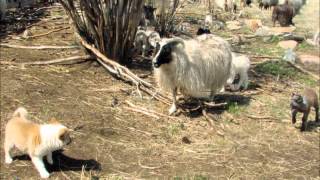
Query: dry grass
x=250 y=139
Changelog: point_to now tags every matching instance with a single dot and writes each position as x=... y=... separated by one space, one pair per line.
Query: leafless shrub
x=108 y=24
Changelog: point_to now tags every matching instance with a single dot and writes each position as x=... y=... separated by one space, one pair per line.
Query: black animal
x=203 y=31
x=267 y=4
x=148 y=16
x=283 y=14
x=244 y=3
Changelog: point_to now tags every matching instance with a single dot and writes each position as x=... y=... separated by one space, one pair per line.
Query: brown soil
x=254 y=139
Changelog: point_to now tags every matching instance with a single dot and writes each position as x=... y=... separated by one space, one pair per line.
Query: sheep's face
x=163 y=56
x=164 y=53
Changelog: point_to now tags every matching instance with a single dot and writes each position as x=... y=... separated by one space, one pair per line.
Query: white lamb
x=197 y=67
x=239 y=72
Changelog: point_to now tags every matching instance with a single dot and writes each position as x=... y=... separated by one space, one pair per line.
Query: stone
x=253 y=24
x=290 y=56
x=309 y=59
x=282 y=30
x=26 y=34
x=263 y=31
x=233 y=25
x=290 y=44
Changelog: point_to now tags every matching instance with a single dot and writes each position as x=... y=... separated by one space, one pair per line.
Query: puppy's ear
x=53 y=121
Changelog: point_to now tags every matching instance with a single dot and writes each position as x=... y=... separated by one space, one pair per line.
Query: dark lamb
x=283 y=14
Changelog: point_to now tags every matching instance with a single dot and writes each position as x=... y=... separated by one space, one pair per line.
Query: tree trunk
x=108 y=24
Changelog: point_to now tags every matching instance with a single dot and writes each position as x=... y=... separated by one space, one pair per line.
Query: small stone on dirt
x=253 y=24
x=186 y=140
x=290 y=44
x=233 y=25
x=263 y=31
x=281 y=30
x=307 y=59
x=26 y=34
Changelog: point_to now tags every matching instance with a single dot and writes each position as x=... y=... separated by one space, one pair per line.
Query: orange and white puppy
x=35 y=139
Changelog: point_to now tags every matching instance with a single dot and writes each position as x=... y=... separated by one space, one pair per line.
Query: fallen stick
x=148 y=167
x=264 y=57
x=37 y=47
x=214 y=105
x=151 y=111
x=208 y=118
x=260 y=117
x=54 y=61
x=296 y=66
x=52 y=31
x=123 y=72
x=143 y=112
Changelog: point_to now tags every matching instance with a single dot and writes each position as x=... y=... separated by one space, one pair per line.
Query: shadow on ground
x=65 y=163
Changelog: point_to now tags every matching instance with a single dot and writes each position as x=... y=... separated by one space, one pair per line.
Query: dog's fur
x=303 y=103
x=35 y=139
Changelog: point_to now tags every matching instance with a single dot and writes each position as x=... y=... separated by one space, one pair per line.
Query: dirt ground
x=251 y=138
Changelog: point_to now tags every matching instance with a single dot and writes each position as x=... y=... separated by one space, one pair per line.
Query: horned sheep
x=197 y=67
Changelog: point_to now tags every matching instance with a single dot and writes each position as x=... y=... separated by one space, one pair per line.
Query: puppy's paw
x=44 y=175
x=8 y=160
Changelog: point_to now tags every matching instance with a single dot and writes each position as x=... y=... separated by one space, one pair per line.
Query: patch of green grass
x=245 y=30
x=234 y=108
x=195 y=177
x=174 y=129
x=284 y=70
x=308 y=81
x=304 y=46
x=276 y=68
x=274 y=39
x=200 y=177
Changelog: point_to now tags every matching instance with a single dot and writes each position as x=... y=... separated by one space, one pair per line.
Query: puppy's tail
x=20 y=112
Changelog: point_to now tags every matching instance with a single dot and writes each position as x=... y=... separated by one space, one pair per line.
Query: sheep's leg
x=222 y=90
x=245 y=81
x=173 y=107
x=143 y=50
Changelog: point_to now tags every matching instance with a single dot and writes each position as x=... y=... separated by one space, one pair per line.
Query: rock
x=290 y=56
x=267 y=39
x=290 y=44
x=218 y=25
x=253 y=24
x=26 y=34
x=307 y=59
x=263 y=31
x=282 y=30
x=238 y=39
x=315 y=41
x=233 y=25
